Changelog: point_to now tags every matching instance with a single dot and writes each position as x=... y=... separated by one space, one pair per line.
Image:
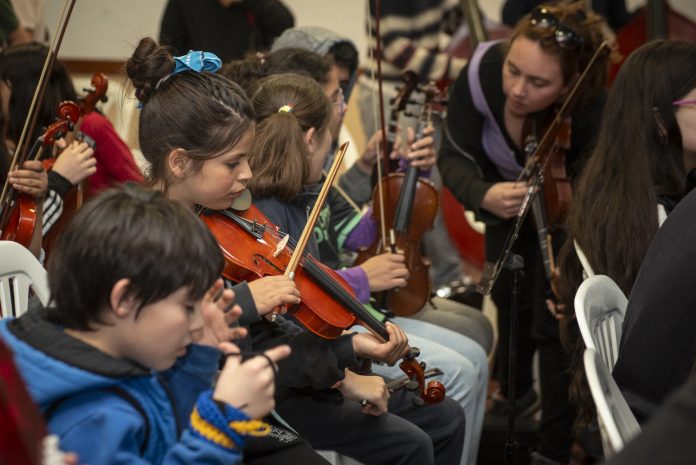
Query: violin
x=549 y=211
x=74 y=198
x=253 y=248
x=407 y=205
x=18 y=215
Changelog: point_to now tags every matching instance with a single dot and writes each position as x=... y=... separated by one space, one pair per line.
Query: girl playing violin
x=504 y=86
x=196 y=129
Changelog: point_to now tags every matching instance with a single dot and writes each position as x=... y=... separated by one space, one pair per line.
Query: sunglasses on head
x=564 y=36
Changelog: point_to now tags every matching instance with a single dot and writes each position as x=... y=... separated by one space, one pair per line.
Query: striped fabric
x=52 y=209
x=412 y=31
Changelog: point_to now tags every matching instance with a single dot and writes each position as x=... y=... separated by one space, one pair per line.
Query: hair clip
x=285 y=109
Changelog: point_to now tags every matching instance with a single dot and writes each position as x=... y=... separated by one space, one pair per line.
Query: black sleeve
x=243 y=298
x=658 y=347
x=272 y=17
x=173 y=30
x=314 y=362
x=58 y=183
x=514 y=10
x=461 y=161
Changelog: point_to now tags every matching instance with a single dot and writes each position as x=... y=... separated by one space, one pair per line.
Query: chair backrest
x=19 y=271
x=600 y=307
x=617 y=424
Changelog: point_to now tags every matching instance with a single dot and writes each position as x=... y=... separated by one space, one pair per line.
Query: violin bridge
x=281 y=245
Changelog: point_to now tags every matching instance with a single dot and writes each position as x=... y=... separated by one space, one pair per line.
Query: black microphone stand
x=515 y=265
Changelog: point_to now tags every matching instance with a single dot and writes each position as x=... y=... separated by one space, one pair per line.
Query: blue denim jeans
x=465 y=373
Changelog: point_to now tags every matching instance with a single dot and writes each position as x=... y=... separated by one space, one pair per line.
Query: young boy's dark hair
x=127 y=233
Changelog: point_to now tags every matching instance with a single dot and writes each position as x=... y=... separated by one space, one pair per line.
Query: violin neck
x=544 y=236
x=404 y=207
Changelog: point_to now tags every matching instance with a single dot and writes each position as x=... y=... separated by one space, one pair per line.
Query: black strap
x=123 y=394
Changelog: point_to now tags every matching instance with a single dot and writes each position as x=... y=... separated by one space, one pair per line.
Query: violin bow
x=534 y=168
x=382 y=154
x=345 y=195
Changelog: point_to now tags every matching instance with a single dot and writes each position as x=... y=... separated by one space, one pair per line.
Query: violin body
x=249 y=257
x=21 y=220
x=556 y=185
x=410 y=299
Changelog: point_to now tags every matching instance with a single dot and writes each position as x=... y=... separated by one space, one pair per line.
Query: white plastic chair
x=617 y=424
x=19 y=271
x=600 y=307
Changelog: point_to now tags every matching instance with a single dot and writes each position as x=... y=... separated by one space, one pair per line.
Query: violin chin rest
x=242 y=202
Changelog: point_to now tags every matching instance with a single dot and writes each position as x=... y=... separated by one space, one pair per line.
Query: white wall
x=109 y=29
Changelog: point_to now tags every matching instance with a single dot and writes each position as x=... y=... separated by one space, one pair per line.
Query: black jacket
x=228 y=32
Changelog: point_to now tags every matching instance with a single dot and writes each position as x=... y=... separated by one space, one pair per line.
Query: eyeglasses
x=684 y=102
x=564 y=36
x=338 y=99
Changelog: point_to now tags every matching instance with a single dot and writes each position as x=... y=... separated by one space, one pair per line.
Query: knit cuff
x=222 y=424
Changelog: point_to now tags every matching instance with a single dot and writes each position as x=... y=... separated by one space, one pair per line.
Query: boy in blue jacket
x=123 y=360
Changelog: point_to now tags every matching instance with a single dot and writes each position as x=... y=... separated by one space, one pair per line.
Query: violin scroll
x=68 y=115
x=97 y=93
x=432 y=393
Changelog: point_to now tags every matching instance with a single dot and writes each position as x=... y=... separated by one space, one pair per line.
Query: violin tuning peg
x=417 y=401
x=104 y=99
x=411 y=385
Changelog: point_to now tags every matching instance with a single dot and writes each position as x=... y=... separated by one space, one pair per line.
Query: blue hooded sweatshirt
x=109 y=410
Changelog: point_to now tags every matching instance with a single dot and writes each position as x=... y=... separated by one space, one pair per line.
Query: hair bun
x=148 y=64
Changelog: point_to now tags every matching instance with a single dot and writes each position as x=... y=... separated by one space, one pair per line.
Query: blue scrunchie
x=193 y=61
x=197 y=61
